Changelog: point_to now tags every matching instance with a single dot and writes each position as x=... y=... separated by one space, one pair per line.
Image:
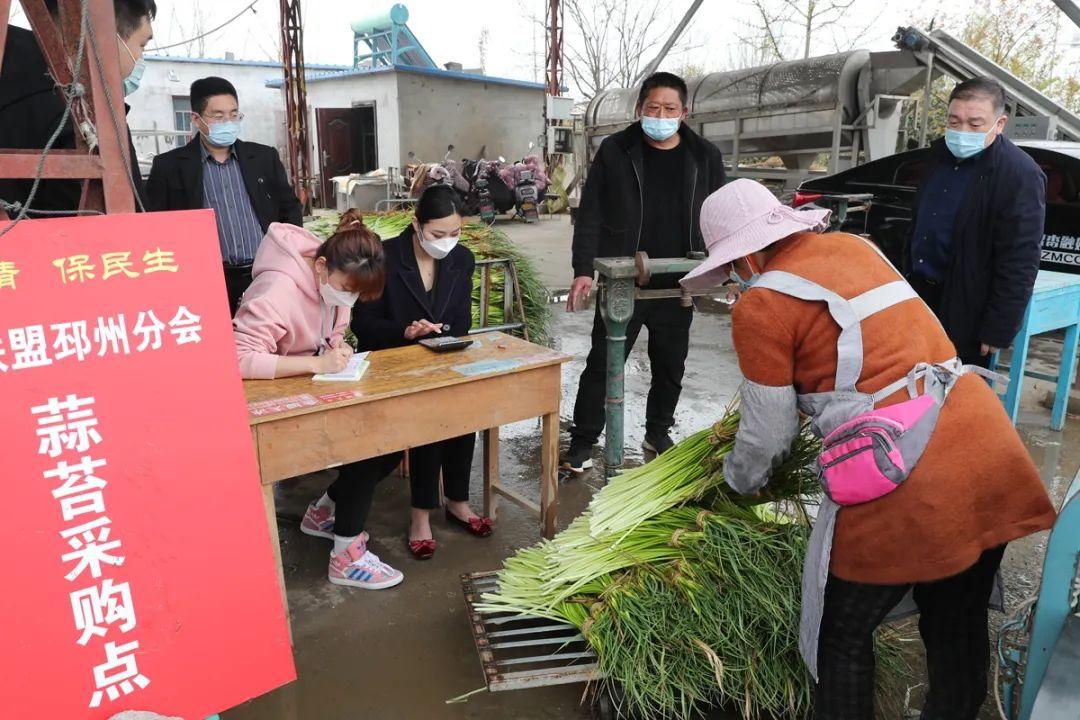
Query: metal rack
x=520 y=651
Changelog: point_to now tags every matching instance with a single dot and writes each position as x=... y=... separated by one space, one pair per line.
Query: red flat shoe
x=478 y=526
x=421 y=549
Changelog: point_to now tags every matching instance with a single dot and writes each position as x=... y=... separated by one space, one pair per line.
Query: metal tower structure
x=100 y=157
x=554 y=63
x=296 y=111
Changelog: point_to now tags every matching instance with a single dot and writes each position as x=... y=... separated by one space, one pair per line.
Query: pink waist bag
x=870 y=455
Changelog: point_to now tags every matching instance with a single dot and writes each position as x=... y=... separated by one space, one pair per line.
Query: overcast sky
x=450 y=29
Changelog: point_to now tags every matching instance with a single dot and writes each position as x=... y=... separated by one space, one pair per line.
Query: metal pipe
x=651 y=67
x=618 y=278
x=613 y=401
x=1070 y=9
x=927 y=91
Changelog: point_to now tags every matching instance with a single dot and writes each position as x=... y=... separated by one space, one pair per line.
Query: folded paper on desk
x=355 y=370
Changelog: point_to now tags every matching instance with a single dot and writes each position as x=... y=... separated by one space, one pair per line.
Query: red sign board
x=140 y=570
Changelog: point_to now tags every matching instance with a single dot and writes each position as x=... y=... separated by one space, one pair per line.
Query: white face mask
x=334 y=297
x=441 y=247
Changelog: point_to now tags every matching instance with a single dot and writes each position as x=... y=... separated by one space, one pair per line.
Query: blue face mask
x=660 y=129
x=963 y=144
x=744 y=284
x=131 y=82
x=223 y=134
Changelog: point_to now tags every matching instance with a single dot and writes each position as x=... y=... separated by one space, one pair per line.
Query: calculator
x=446 y=343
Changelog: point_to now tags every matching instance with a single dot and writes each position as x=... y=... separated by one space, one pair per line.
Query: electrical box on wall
x=560 y=141
x=1031 y=127
x=559 y=108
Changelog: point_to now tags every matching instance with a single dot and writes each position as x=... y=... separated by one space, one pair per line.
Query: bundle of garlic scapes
x=688 y=593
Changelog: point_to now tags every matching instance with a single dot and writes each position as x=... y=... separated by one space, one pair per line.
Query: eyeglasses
x=222 y=117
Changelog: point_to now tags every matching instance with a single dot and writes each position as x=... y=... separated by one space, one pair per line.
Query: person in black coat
x=975 y=243
x=243 y=182
x=429 y=281
x=643 y=193
x=31 y=105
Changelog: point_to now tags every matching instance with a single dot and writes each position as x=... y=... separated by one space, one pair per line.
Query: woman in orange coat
x=825 y=325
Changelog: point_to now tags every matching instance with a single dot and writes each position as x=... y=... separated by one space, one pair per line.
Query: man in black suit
x=243 y=182
x=31 y=106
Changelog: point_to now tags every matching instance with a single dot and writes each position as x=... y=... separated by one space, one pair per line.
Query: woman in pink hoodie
x=291 y=321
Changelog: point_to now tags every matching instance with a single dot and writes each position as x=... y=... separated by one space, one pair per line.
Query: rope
x=72 y=92
x=17 y=207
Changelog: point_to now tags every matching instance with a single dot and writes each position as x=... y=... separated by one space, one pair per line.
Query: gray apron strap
x=815 y=575
x=881 y=298
x=848 y=314
x=849 y=349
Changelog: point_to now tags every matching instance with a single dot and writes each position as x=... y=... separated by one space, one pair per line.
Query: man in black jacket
x=978 y=225
x=31 y=105
x=243 y=182
x=644 y=193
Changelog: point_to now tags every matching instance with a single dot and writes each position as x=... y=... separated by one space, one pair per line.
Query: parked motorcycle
x=529 y=180
x=527 y=197
x=486 y=187
x=442 y=173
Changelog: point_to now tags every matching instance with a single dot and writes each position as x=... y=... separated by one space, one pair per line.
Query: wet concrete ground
x=401 y=654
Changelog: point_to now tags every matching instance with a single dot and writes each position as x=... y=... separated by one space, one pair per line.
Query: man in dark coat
x=31 y=106
x=644 y=193
x=978 y=225
x=243 y=182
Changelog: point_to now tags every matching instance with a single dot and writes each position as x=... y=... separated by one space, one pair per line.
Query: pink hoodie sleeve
x=341 y=326
x=257 y=329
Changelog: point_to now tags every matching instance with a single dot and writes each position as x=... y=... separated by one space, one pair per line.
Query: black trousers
x=953 y=624
x=354 y=489
x=237 y=280
x=669 y=341
x=454 y=457
x=930 y=291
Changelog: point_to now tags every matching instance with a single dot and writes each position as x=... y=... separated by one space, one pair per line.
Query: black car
x=876 y=198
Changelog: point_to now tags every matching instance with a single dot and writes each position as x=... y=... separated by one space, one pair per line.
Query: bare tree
x=535 y=56
x=608 y=42
x=789 y=28
x=482 y=45
x=195 y=28
x=586 y=53
x=268 y=44
x=768 y=37
x=816 y=15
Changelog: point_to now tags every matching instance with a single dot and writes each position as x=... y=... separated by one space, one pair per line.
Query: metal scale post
x=620 y=283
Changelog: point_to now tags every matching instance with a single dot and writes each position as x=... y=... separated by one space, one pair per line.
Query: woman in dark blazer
x=429 y=280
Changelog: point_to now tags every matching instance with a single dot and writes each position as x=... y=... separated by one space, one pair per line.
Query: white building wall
x=352 y=90
x=165 y=78
x=471 y=115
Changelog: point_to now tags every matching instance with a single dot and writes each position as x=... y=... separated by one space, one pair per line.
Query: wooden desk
x=409 y=397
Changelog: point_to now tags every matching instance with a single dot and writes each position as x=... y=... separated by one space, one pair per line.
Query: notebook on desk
x=358 y=365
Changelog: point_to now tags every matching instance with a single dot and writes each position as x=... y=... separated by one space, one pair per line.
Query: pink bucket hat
x=740 y=219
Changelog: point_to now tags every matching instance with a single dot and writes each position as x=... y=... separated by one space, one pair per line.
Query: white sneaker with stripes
x=359 y=567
